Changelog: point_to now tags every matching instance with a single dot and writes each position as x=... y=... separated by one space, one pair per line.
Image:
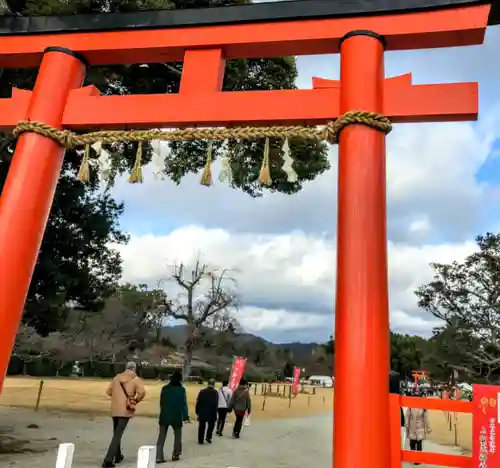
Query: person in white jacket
x=224 y=398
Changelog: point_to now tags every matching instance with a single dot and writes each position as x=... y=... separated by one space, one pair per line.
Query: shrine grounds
x=284 y=433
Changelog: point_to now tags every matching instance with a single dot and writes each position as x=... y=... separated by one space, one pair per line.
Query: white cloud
x=287 y=281
x=284 y=246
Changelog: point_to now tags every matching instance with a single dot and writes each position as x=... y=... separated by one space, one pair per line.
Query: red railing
x=425 y=458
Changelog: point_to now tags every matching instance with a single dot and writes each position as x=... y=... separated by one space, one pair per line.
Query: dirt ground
x=75 y=410
x=451 y=429
x=291 y=442
x=89 y=396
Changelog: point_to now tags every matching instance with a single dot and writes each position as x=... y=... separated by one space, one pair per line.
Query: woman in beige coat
x=417 y=427
x=125 y=390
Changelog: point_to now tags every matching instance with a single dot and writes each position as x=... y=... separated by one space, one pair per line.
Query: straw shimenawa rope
x=330 y=133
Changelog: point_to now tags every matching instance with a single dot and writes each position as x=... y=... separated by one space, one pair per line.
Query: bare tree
x=206 y=298
x=100 y=333
x=60 y=347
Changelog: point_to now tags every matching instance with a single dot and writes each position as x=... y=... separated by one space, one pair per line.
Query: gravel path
x=265 y=444
x=433 y=447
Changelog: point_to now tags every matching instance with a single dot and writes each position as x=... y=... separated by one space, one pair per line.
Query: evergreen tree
x=76 y=263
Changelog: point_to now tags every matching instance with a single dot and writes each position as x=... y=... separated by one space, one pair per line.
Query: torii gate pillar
x=29 y=189
x=362 y=315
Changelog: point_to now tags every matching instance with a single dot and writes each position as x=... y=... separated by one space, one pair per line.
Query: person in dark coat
x=207 y=404
x=173 y=413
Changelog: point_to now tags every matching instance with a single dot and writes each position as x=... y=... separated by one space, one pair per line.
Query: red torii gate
x=204 y=39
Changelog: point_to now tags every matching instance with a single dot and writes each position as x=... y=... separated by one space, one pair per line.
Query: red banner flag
x=296 y=380
x=486 y=426
x=236 y=372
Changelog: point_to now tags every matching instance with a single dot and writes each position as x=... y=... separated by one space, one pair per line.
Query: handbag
x=131 y=402
x=221 y=391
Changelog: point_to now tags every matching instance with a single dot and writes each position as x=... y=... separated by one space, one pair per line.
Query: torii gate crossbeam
x=203 y=39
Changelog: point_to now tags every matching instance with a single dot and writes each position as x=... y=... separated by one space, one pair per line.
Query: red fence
x=425 y=458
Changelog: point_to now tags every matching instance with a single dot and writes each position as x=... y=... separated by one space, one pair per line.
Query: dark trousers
x=115 y=451
x=205 y=430
x=221 y=419
x=160 y=443
x=237 y=424
x=416 y=445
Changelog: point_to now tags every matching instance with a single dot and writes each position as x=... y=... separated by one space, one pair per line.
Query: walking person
x=174 y=414
x=417 y=427
x=207 y=404
x=126 y=391
x=224 y=398
x=241 y=404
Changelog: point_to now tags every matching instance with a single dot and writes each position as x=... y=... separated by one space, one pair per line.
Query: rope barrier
x=329 y=133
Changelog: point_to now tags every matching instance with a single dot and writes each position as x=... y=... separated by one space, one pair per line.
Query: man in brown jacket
x=125 y=390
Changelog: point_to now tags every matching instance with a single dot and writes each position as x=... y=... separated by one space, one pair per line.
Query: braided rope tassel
x=84 y=171
x=136 y=176
x=206 y=177
x=265 y=170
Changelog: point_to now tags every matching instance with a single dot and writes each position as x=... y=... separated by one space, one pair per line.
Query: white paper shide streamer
x=226 y=173
x=103 y=161
x=160 y=152
x=287 y=168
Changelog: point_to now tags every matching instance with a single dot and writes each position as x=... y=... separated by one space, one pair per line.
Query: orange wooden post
x=395 y=430
x=29 y=190
x=361 y=431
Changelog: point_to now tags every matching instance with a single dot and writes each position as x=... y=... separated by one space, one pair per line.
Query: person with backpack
x=224 y=398
x=126 y=391
x=417 y=427
x=241 y=404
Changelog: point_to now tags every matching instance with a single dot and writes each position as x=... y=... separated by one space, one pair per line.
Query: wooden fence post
x=39 y=396
x=395 y=431
x=455 y=428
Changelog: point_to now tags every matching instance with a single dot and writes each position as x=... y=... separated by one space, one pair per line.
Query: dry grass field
x=451 y=429
x=88 y=396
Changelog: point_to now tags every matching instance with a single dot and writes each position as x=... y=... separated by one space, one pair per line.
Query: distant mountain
x=299 y=350
x=177 y=335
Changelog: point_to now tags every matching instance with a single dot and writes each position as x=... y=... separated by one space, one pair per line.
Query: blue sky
x=443 y=189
